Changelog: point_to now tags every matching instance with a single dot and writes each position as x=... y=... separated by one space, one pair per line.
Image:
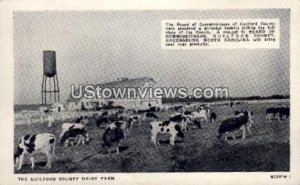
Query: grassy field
x=266 y=149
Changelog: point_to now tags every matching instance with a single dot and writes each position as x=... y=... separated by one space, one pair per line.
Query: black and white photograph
x=113 y=91
x=144 y=92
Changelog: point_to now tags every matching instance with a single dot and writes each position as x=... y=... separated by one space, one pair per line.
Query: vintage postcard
x=103 y=93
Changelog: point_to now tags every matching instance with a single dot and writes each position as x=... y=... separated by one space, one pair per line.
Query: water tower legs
x=50 y=89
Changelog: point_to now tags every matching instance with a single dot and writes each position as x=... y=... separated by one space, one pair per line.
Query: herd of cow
x=117 y=125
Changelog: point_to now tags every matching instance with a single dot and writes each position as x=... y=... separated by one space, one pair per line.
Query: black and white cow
x=232 y=124
x=112 y=136
x=67 y=126
x=182 y=120
x=134 y=119
x=73 y=134
x=43 y=143
x=249 y=113
x=200 y=114
x=165 y=127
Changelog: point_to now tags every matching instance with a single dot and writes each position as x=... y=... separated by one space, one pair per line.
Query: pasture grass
x=267 y=148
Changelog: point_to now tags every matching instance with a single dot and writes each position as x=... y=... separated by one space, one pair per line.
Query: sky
x=100 y=46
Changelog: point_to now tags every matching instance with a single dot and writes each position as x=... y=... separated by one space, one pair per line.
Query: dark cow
x=150 y=115
x=187 y=113
x=78 y=120
x=134 y=119
x=232 y=124
x=277 y=112
x=165 y=127
x=112 y=136
x=43 y=143
x=213 y=117
x=102 y=121
x=73 y=134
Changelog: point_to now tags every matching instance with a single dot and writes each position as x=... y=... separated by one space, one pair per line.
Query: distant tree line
x=193 y=99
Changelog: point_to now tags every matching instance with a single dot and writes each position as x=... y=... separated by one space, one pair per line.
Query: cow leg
x=66 y=144
x=78 y=142
x=153 y=139
x=49 y=158
x=225 y=135
x=184 y=126
x=21 y=162
x=157 y=141
x=278 y=116
x=233 y=136
x=206 y=120
x=32 y=162
x=248 y=128
x=117 y=148
x=17 y=162
x=244 y=132
x=83 y=141
x=172 y=139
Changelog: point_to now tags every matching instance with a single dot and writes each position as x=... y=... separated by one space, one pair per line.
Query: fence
x=33 y=117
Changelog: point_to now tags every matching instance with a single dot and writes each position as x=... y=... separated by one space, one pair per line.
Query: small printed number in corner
x=280 y=176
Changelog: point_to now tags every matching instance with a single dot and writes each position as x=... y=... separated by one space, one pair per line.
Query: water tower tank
x=49 y=63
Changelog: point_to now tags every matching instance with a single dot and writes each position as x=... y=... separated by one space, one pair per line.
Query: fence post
x=42 y=119
x=28 y=119
x=50 y=120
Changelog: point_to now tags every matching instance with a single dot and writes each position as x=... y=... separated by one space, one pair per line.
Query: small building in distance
x=129 y=102
x=58 y=107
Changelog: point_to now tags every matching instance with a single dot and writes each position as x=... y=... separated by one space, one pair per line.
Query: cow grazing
x=112 y=136
x=75 y=133
x=234 y=123
x=165 y=127
x=66 y=126
x=277 y=112
x=213 y=117
x=150 y=115
x=43 y=143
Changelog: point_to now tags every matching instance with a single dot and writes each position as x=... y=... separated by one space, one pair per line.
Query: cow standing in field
x=250 y=114
x=277 y=112
x=165 y=127
x=72 y=134
x=201 y=114
x=234 y=123
x=43 y=143
x=67 y=126
x=181 y=119
x=112 y=136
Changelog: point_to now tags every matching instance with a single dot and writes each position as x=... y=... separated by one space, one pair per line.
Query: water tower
x=50 y=87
